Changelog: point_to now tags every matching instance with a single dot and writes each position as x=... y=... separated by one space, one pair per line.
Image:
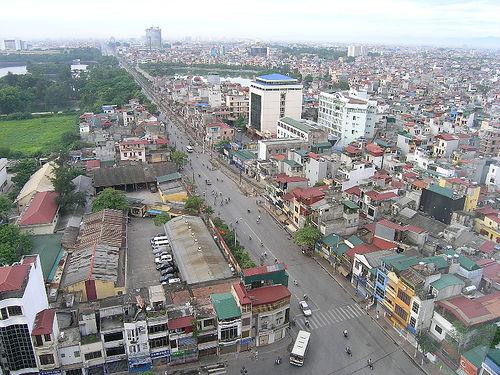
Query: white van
x=160 y=243
x=158 y=238
x=189 y=149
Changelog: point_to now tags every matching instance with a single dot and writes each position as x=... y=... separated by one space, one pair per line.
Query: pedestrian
x=376 y=315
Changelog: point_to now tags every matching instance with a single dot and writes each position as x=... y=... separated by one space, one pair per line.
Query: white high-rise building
x=347 y=115
x=355 y=51
x=153 y=38
x=272 y=97
x=22 y=297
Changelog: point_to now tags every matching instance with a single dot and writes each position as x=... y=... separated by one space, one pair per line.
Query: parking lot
x=141 y=270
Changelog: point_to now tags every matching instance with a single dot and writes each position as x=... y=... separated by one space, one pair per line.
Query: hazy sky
x=324 y=20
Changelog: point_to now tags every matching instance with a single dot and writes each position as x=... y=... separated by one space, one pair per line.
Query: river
x=13 y=70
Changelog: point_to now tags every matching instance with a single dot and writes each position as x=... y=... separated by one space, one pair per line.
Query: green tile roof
x=244 y=155
x=350 y=204
x=439 y=261
x=441 y=190
x=225 y=306
x=355 y=240
x=169 y=177
x=303 y=125
x=302 y=153
x=331 y=240
x=476 y=355
x=48 y=247
x=445 y=281
x=465 y=262
x=291 y=163
x=494 y=355
x=400 y=262
x=322 y=145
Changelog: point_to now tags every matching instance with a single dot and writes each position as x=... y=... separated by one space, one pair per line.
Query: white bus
x=300 y=347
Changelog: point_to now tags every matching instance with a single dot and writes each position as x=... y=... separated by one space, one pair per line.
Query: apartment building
x=272 y=97
x=307 y=130
x=238 y=105
x=22 y=297
x=347 y=116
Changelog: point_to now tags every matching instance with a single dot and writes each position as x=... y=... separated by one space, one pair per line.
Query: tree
x=320 y=183
x=110 y=198
x=161 y=219
x=307 y=236
x=340 y=85
x=426 y=343
x=241 y=122
x=5 y=207
x=63 y=185
x=23 y=170
x=179 y=158
x=193 y=204
x=13 y=244
x=219 y=146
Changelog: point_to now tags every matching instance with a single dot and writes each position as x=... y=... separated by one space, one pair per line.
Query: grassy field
x=34 y=135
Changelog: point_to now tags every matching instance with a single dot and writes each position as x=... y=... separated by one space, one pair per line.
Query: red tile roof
x=374 y=149
x=473 y=311
x=491 y=269
x=92 y=164
x=382 y=244
x=43 y=322
x=383 y=196
x=278 y=157
x=283 y=177
x=134 y=142
x=12 y=277
x=487 y=247
x=350 y=149
x=355 y=190
x=268 y=294
x=361 y=249
x=312 y=192
x=185 y=321
x=241 y=293
x=263 y=269
x=41 y=210
x=494 y=217
x=446 y=137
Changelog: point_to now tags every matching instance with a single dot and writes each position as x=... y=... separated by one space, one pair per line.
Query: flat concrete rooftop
x=187 y=234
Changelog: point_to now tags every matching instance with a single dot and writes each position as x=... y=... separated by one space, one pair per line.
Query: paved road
x=333 y=309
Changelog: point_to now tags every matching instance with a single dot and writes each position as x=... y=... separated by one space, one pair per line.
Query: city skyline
x=387 y=21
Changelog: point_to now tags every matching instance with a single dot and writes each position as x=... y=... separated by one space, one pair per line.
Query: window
x=38 y=340
x=93 y=355
x=380 y=279
x=47 y=338
x=14 y=310
x=76 y=354
x=404 y=297
x=208 y=323
x=415 y=307
x=46 y=359
x=379 y=293
x=245 y=321
x=413 y=321
x=157 y=328
x=438 y=329
x=159 y=342
x=3 y=313
x=230 y=333
x=400 y=312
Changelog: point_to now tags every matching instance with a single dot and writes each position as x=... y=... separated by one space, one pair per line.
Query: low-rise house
x=459 y=321
x=183 y=343
x=39 y=182
x=335 y=215
x=270 y=313
x=45 y=335
x=218 y=131
x=491 y=275
x=228 y=322
x=41 y=214
x=268 y=147
x=354 y=174
x=445 y=145
x=487 y=224
x=307 y=130
x=440 y=202
x=171 y=188
x=364 y=271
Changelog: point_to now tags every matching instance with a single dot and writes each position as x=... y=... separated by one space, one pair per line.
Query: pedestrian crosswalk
x=325 y=318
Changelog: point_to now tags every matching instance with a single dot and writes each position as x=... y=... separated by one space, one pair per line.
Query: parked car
x=208 y=182
x=167 y=270
x=166 y=257
x=174 y=280
x=166 y=277
x=305 y=308
x=163 y=265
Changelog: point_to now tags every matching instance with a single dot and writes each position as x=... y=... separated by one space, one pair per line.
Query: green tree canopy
x=179 y=158
x=307 y=236
x=110 y=198
x=161 y=219
x=62 y=181
x=13 y=244
x=241 y=122
x=194 y=204
x=24 y=169
x=5 y=206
